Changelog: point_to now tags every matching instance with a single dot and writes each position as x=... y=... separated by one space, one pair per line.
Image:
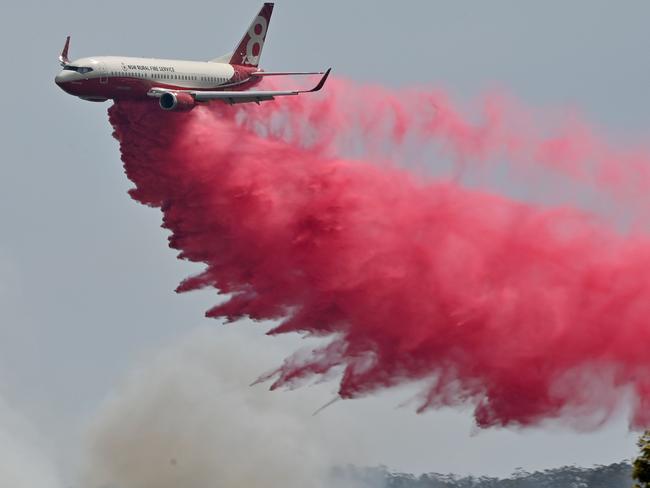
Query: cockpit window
x=78 y=69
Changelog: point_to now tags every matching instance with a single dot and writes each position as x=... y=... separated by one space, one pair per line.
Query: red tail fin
x=249 y=50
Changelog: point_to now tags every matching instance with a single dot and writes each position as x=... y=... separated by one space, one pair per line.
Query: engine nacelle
x=176 y=101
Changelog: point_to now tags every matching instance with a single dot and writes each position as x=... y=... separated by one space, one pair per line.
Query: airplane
x=179 y=85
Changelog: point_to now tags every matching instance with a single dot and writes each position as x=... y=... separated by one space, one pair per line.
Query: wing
x=63 y=58
x=232 y=97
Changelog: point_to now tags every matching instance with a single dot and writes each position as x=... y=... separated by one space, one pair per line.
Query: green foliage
x=613 y=476
x=641 y=465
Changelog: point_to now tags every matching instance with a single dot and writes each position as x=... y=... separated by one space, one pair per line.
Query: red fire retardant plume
x=527 y=313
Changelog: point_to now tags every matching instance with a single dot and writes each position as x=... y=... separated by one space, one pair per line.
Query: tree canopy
x=641 y=465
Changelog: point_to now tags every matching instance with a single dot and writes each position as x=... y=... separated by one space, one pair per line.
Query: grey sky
x=86 y=278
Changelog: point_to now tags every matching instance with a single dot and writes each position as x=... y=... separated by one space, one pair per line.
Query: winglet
x=322 y=81
x=63 y=58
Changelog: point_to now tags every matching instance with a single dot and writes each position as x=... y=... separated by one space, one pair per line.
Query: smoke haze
x=23 y=464
x=188 y=417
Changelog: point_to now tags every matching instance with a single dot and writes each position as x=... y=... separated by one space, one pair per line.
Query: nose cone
x=63 y=77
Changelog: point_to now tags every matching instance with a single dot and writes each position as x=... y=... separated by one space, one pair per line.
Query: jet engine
x=176 y=101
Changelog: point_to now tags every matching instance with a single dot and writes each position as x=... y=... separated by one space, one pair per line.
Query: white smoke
x=22 y=464
x=188 y=418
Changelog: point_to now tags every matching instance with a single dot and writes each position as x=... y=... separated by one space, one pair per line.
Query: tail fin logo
x=249 y=49
x=256 y=35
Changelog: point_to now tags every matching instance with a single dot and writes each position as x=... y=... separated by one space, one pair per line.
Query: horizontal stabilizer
x=222 y=59
x=286 y=73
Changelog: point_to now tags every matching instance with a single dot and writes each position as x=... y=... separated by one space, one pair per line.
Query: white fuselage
x=114 y=77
